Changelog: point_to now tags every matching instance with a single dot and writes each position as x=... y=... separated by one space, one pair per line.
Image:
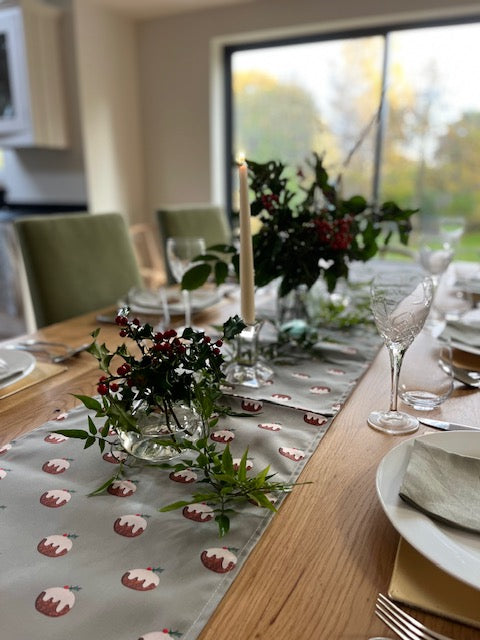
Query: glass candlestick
x=246 y=367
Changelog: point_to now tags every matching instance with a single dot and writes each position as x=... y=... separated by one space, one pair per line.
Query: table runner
x=112 y=567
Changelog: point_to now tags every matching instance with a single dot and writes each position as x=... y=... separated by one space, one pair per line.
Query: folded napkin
x=462 y=332
x=445 y=486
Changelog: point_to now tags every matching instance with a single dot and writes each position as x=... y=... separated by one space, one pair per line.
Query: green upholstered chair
x=75 y=263
x=209 y=222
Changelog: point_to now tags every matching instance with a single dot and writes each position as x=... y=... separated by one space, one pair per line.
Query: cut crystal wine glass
x=400 y=303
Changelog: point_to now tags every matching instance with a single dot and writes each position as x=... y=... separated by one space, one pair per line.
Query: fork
x=404 y=625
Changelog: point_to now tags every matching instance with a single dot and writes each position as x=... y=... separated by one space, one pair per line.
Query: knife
x=447 y=426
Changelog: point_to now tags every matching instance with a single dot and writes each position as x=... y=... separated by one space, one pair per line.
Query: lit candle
x=247 y=287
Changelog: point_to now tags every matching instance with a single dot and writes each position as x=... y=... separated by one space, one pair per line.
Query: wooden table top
x=317 y=569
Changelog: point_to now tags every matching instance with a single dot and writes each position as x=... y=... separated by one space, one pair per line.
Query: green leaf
x=223 y=523
x=91 y=426
x=242 y=467
x=175 y=505
x=90 y=403
x=262 y=500
x=196 y=276
x=89 y=441
x=104 y=486
x=227 y=461
x=73 y=433
x=221 y=272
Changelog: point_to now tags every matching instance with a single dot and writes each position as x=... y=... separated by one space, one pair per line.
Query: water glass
x=426 y=378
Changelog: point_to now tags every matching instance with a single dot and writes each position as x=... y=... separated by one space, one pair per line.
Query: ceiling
x=156 y=8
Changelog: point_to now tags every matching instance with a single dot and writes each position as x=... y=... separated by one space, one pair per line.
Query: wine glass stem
x=188 y=310
x=396 y=358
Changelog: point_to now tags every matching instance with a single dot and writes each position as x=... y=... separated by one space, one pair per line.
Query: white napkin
x=445 y=486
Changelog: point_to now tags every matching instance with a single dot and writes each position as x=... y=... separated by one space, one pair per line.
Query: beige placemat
x=42 y=371
x=419 y=583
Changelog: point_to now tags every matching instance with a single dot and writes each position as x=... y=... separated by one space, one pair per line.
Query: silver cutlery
x=443 y=425
x=403 y=624
x=470 y=378
x=44 y=346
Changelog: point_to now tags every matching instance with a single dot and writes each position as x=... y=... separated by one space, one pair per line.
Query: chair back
x=209 y=222
x=75 y=263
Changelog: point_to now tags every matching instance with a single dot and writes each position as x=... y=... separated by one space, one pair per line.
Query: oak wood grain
x=318 y=567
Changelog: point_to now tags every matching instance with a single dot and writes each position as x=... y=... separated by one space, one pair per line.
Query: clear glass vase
x=157 y=438
x=292 y=313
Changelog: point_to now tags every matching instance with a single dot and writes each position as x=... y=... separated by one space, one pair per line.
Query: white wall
x=177 y=81
x=109 y=99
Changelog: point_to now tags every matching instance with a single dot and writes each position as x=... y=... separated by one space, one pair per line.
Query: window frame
x=321 y=36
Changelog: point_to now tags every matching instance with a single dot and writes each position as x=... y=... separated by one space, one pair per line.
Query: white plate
x=149 y=301
x=461 y=346
x=456 y=552
x=20 y=361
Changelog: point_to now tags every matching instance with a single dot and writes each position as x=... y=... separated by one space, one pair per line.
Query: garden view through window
x=421 y=149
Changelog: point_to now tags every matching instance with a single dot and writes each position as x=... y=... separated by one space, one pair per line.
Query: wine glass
x=180 y=252
x=436 y=253
x=400 y=303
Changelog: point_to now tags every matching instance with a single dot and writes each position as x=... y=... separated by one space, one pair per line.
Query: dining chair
x=209 y=222
x=147 y=250
x=75 y=263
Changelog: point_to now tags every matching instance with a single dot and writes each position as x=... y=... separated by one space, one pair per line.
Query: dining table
x=316 y=570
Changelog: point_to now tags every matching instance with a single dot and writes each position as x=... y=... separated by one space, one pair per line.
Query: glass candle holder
x=246 y=367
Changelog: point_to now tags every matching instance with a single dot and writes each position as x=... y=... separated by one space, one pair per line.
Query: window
x=419 y=146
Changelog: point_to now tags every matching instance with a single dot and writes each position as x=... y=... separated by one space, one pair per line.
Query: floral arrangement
x=306 y=234
x=157 y=372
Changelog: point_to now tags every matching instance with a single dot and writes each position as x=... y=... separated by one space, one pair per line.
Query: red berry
x=114 y=386
x=118 y=319
x=121 y=371
x=158 y=337
x=207 y=339
x=102 y=389
x=102 y=378
x=126 y=367
x=216 y=351
x=218 y=343
x=122 y=333
x=136 y=322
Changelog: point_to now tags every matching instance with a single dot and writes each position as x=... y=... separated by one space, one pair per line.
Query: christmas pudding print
x=236 y=464
x=219 y=560
x=142 y=579
x=115 y=457
x=122 y=488
x=165 y=634
x=336 y=372
x=199 y=512
x=252 y=406
x=55 y=546
x=3 y=473
x=319 y=389
x=55 y=438
x=315 y=419
x=61 y=416
x=185 y=476
x=130 y=526
x=56 y=465
x=223 y=436
x=270 y=426
x=281 y=397
x=55 y=498
x=5 y=448
x=292 y=453
x=301 y=376
x=56 y=601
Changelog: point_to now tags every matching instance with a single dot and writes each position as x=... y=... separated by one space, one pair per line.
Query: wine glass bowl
x=435 y=255
x=181 y=251
x=400 y=303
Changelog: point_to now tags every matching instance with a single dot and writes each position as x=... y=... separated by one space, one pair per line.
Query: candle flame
x=241 y=157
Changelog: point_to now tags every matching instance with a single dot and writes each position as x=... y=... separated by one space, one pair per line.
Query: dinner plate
x=16 y=361
x=144 y=301
x=455 y=551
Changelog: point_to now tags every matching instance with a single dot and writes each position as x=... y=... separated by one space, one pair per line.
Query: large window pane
x=431 y=156
x=323 y=97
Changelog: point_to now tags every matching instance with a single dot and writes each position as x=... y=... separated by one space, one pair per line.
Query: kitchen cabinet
x=32 y=99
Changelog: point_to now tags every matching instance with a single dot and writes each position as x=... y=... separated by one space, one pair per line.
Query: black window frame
x=322 y=36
